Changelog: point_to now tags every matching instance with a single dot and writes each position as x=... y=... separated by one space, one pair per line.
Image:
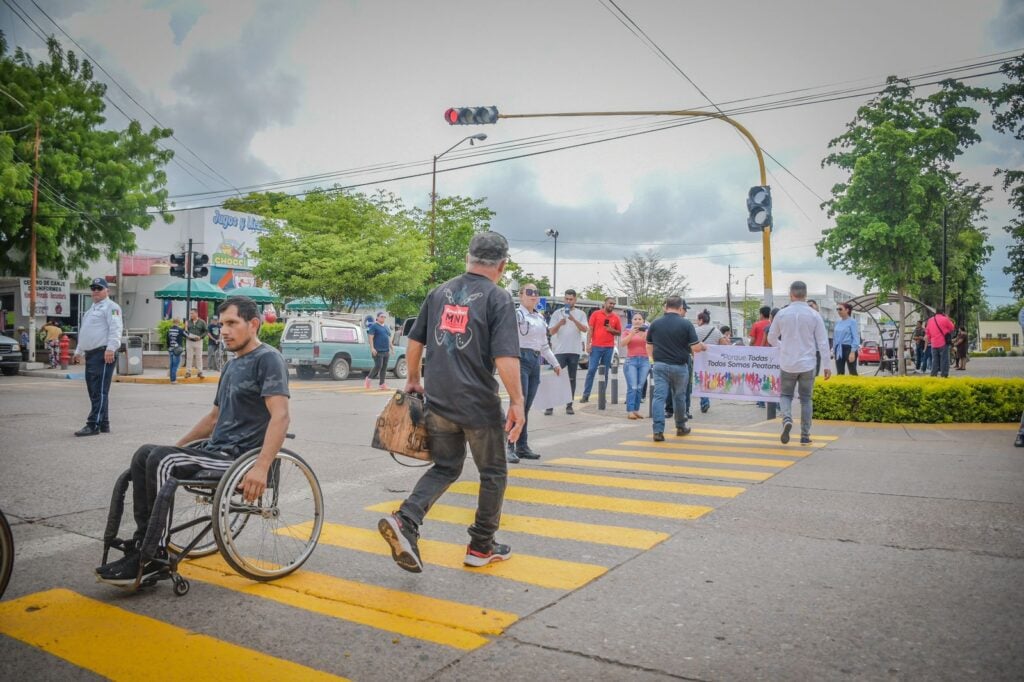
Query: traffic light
x=759 y=208
x=199 y=269
x=177 y=265
x=465 y=116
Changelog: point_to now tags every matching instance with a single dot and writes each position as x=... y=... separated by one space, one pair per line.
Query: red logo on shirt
x=455 y=319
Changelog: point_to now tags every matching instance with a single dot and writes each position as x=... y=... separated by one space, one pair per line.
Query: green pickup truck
x=334 y=345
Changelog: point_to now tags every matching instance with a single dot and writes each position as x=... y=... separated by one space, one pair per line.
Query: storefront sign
x=737 y=373
x=233 y=237
x=53 y=297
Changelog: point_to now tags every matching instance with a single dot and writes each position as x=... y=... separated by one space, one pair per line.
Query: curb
x=52 y=374
x=164 y=380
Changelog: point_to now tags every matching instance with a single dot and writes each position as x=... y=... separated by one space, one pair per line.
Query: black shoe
x=125 y=571
x=475 y=557
x=585 y=399
x=689 y=416
x=805 y=440
x=787 y=426
x=526 y=453
x=669 y=414
x=548 y=412
x=104 y=428
x=704 y=408
x=659 y=437
x=569 y=410
x=1019 y=442
x=404 y=542
x=511 y=457
x=88 y=431
x=684 y=431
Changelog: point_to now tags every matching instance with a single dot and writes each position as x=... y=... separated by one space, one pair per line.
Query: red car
x=869 y=352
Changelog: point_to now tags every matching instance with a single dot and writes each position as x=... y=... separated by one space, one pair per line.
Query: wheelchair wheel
x=6 y=553
x=193 y=505
x=283 y=525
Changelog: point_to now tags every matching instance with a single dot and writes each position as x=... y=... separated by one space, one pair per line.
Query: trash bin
x=129 y=355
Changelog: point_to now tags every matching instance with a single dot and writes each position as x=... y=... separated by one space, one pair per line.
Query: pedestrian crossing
x=571 y=518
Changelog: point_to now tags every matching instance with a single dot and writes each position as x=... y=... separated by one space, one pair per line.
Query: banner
x=53 y=297
x=737 y=373
x=553 y=391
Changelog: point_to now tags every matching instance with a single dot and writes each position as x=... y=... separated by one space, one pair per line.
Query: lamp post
x=433 y=186
x=743 y=332
x=553 y=233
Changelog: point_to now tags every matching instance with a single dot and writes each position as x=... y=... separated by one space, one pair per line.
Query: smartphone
x=642 y=327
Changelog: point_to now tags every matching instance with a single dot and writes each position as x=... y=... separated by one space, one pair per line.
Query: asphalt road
x=881 y=553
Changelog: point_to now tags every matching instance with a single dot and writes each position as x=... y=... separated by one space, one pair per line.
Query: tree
x=898 y=151
x=594 y=292
x=347 y=248
x=1008 y=109
x=514 y=272
x=96 y=183
x=647 y=281
x=1007 y=313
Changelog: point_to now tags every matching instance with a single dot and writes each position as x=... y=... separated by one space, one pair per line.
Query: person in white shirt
x=533 y=343
x=99 y=337
x=800 y=334
x=568 y=327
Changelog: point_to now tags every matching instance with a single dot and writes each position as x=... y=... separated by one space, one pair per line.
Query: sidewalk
x=148 y=376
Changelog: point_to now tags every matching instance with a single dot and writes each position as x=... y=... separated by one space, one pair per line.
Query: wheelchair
x=266 y=539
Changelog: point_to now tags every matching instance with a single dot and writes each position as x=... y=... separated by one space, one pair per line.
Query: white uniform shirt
x=568 y=338
x=798 y=332
x=101 y=327
x=533 y=334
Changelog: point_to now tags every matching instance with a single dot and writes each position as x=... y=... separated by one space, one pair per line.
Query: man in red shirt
x=937 y=329
x=759 y=330
x=605 y=326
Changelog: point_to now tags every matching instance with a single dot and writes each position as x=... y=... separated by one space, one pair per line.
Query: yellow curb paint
x=532 y=570
x=710 y=459
x=756 y=434
x=682 y=444
x=676 y=487
x=998 y=426
x=619 y=505
x=665 y=469
x=617 y=536
x=433 y=620
x=122 y=645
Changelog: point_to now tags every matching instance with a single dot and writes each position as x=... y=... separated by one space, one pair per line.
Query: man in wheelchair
x=250 y=411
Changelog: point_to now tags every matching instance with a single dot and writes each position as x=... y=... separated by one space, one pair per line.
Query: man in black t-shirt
x=250 y=411
x=671 y=342
x=467 y=326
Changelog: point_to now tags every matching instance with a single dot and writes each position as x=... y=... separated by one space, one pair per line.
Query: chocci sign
x=53 y=297
x=232 y=236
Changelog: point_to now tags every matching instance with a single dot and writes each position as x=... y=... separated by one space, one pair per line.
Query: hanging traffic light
x=465 y=116
x=759 y=208
x=199 y=269
x=177 y=265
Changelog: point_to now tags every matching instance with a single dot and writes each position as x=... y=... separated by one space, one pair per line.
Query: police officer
x=99 y=337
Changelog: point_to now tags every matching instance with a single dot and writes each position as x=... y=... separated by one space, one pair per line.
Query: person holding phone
x=638 y=365
x=567 y=327
x=605 y=326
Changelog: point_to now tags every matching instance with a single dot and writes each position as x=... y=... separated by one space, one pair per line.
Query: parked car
x=737 y=341
x=334 y=345
x=10 y=355
x=869 y=353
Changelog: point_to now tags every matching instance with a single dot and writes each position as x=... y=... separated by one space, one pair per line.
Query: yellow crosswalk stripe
x=619 y=505
x=533 y=570
x=667 y=469
x=618 y=536
x=433 y=620
x=684 y=443
x=695 y=438
x=677 y=487
x=709 y=459
x=122 y=645
x=756 y=434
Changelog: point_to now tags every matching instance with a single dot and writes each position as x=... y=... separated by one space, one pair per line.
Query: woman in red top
x=637 y=363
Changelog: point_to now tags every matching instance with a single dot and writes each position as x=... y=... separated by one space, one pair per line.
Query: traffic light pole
x=188 y=283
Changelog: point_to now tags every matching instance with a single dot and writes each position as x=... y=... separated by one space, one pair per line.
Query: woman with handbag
x=846 y=340
x=175 y=347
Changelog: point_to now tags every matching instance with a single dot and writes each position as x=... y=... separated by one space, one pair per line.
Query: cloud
x=1008 y=27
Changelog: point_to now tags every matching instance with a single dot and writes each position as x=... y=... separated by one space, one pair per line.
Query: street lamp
x=433 y=185
x=744 y=330
x=553 y=233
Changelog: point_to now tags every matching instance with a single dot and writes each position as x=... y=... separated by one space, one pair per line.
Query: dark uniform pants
x=98 y=375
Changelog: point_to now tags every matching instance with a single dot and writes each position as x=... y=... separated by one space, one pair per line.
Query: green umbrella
x=308 y=303
x=202 y=290
x=258 y=294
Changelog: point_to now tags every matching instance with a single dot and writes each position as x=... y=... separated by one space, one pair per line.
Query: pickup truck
x=332 y=345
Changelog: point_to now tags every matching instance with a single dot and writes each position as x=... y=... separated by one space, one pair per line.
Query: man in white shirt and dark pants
x=799 y=332
x=568 y=328
x=99 y=337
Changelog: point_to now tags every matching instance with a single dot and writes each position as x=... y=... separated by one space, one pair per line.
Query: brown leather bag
x=402 y=428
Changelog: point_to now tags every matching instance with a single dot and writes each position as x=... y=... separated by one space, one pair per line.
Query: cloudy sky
x=270 y=91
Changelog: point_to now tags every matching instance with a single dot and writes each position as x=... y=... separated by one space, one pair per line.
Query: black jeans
x=842 y=361
x=448 y=443
x=98 y=375
x=571 y=362
x=380 y=366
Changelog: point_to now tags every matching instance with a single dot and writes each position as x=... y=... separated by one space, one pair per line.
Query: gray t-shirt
x=244 y=383
x=709 y=334
x=464 y=324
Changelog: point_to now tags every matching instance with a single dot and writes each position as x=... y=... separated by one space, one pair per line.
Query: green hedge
x=270 y=333
x=921 y=400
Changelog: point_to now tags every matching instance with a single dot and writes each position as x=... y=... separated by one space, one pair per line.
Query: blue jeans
x=665 y=376
x=98 y=374
x=175 y=361
x=598 y=356
x=636 y=369
x=529 y=377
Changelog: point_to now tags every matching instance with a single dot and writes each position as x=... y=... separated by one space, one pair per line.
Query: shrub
x=161 y=332
x=919 y=400
x=270 y=333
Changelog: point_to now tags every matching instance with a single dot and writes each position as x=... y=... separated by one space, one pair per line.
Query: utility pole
x=728 y=296
x=188 y=282
x=32 y=258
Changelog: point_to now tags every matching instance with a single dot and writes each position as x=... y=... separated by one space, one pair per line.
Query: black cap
x=685 y=305
x=489 y=246
x=98 y=282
